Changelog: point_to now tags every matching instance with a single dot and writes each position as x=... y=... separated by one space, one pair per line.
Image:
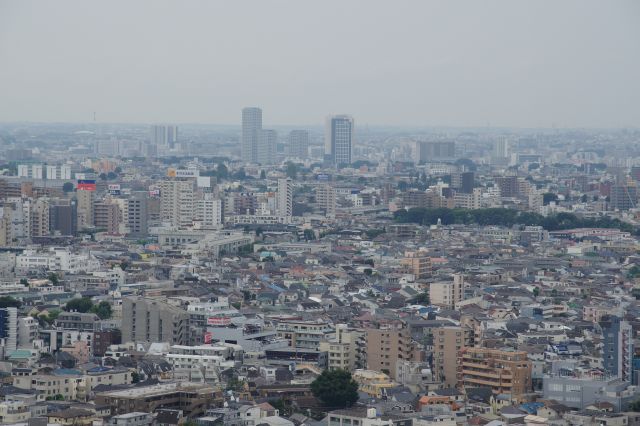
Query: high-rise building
x=177 y=202
x=63 y=217
x=8 y=329
x=385 y=346
x=502 y=148
x=266 y=150
x=447 y=342
x=623 y=197
x=208 y=214
x=285 y=198
x=504 y=372
x=342 y=349
x=338 y=139
x=150 y=320
x=299 y=144
x=447 y=293
x=106 y=215
x=84 y=208
x=435 y=151
x=617 y=350
x=463 y=182
x=164 y=135
x=251 y=127
x=508 y=186
x=39 y=217
x=326 y=199
x=137 y=214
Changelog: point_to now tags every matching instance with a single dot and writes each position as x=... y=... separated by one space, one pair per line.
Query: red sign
x=223 y=321
x=207 y=337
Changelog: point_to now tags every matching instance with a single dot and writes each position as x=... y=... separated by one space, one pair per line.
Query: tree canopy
x=81 y=304
x=9 y=302
x=336 y=389
x=508 y=218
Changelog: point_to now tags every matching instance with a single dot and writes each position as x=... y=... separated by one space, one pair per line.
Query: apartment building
x=447 y=342
x=505 y=372
x=417 y=263
x=342 y=348
x=154 y=320
x=385 y=346
x=303 y=334
x=447 y=293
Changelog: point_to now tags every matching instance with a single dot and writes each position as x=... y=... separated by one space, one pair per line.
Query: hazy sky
x=460 y=63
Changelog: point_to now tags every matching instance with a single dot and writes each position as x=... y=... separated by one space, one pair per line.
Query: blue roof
x=531 y=407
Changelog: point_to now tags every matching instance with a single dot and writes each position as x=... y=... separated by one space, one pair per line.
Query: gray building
x=251 y=127
x=435 y=151
x=266 y=150
x=137 y=214
x=164 y=135
x=63 y=217
x=299 y=144
x=151 y=320
x=617 y=351
x=581 y=390
x=338 y=139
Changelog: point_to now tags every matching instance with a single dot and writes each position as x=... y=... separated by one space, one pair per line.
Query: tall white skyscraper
x=251 y=128
x=338 y=139
x=299 y=144
x=502 y=148
x=266 y=149
x=164 y=135
x=285 y=198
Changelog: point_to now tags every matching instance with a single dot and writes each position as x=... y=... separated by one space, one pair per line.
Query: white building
x=57 y=259
x=177 y=202
x=208 y=213
x=285 y=198
x=338 y=139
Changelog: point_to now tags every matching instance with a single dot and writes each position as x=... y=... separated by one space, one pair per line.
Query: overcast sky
x=457 y=63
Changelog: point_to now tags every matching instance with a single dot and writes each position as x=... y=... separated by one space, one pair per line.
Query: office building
x=285 y=198
x=63 y=217
x=435 y=151
x=508 y=185
x=137 y=214
x=39 y=217
x=266 y=149
x=617 y=350
x=251 y=127
x=164 y=135
x=338 y=139
x=152 y=320
x=299 y=144
x=505 y=372
x=623 y=197
x=463 y=182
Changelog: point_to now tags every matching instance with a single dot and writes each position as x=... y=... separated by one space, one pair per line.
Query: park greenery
x=336 y=389
x=507 y=218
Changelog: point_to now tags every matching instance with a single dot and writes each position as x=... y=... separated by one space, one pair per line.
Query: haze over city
x=420 y=63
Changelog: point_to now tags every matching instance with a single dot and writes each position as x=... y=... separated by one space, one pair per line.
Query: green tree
x=102 y=310
x=53 y=278
x=222 y=171
x=536 y=292
x=67 y=187
x=309 y=234
x=336 y=389
x=111 y=176
x=81 y=304
x=292 y=170
x=263 y=174
x=9 y=302
x=421 y=299
x=135 y=377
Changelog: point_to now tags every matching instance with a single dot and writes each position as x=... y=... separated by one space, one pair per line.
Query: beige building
x=342 y=349
x=505 y=372
x=106 y=215
x=85 y=208
x=447 y=293
x=39 y=218
x=72 y=388
x=418 y=263
x=385 y=346
x=447 y=342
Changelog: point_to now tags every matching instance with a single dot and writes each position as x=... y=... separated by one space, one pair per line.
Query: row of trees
x=506 y=217
x=84 y=305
